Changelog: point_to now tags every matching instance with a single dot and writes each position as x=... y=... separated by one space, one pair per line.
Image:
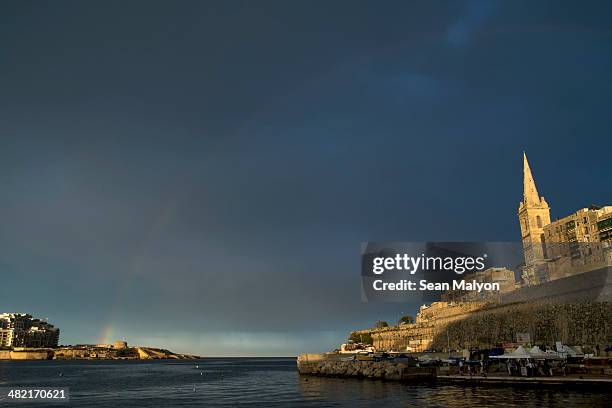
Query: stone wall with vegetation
x=581 y=324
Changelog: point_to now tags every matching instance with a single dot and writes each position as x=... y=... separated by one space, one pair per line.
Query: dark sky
x=200 y=175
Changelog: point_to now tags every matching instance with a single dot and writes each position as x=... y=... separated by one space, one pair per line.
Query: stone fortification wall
x=584 y=324
x=25 y=355
x=429 y=322
x=445 y=312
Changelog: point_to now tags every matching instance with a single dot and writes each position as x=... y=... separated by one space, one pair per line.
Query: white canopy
x=535 y=352
x=519 y=353
x=568 y=351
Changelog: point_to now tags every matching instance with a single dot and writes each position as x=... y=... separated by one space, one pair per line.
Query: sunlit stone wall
x=582 y=324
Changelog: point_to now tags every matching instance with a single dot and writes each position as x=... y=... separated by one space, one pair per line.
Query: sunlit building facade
x=574 y=244
x=23 y=330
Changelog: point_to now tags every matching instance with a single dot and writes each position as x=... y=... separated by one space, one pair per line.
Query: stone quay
x=331 y=366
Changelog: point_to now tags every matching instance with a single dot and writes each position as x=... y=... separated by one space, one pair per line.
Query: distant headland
x=23 y=337
x=92 y=352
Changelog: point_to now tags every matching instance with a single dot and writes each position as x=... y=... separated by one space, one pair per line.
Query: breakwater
x=325 y=366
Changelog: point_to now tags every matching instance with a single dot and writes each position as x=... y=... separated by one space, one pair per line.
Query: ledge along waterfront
x=334 y=365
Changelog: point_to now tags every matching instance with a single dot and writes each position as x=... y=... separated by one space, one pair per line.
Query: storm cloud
x=200 y=175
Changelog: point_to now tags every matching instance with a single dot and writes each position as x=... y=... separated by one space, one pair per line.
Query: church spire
x=530 y=192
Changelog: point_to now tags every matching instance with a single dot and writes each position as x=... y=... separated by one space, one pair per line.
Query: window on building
x=539 y=221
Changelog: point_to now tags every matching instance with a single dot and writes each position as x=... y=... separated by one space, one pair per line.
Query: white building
x=22 y=330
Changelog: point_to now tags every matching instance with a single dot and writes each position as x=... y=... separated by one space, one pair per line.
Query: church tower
x=533 y=214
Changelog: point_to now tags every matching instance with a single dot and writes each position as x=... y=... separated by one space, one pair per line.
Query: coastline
x=92 y=353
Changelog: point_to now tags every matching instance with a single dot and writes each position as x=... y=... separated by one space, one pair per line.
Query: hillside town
x=549 y=318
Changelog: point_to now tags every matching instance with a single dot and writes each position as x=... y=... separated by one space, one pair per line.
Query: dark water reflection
x=262 y=382
x=364 y=392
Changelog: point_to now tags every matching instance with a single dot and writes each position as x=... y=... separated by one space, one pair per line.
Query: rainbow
x=106 y=335
x=166 y=216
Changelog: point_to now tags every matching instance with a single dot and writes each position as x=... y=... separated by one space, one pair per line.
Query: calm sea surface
x=265 y=382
